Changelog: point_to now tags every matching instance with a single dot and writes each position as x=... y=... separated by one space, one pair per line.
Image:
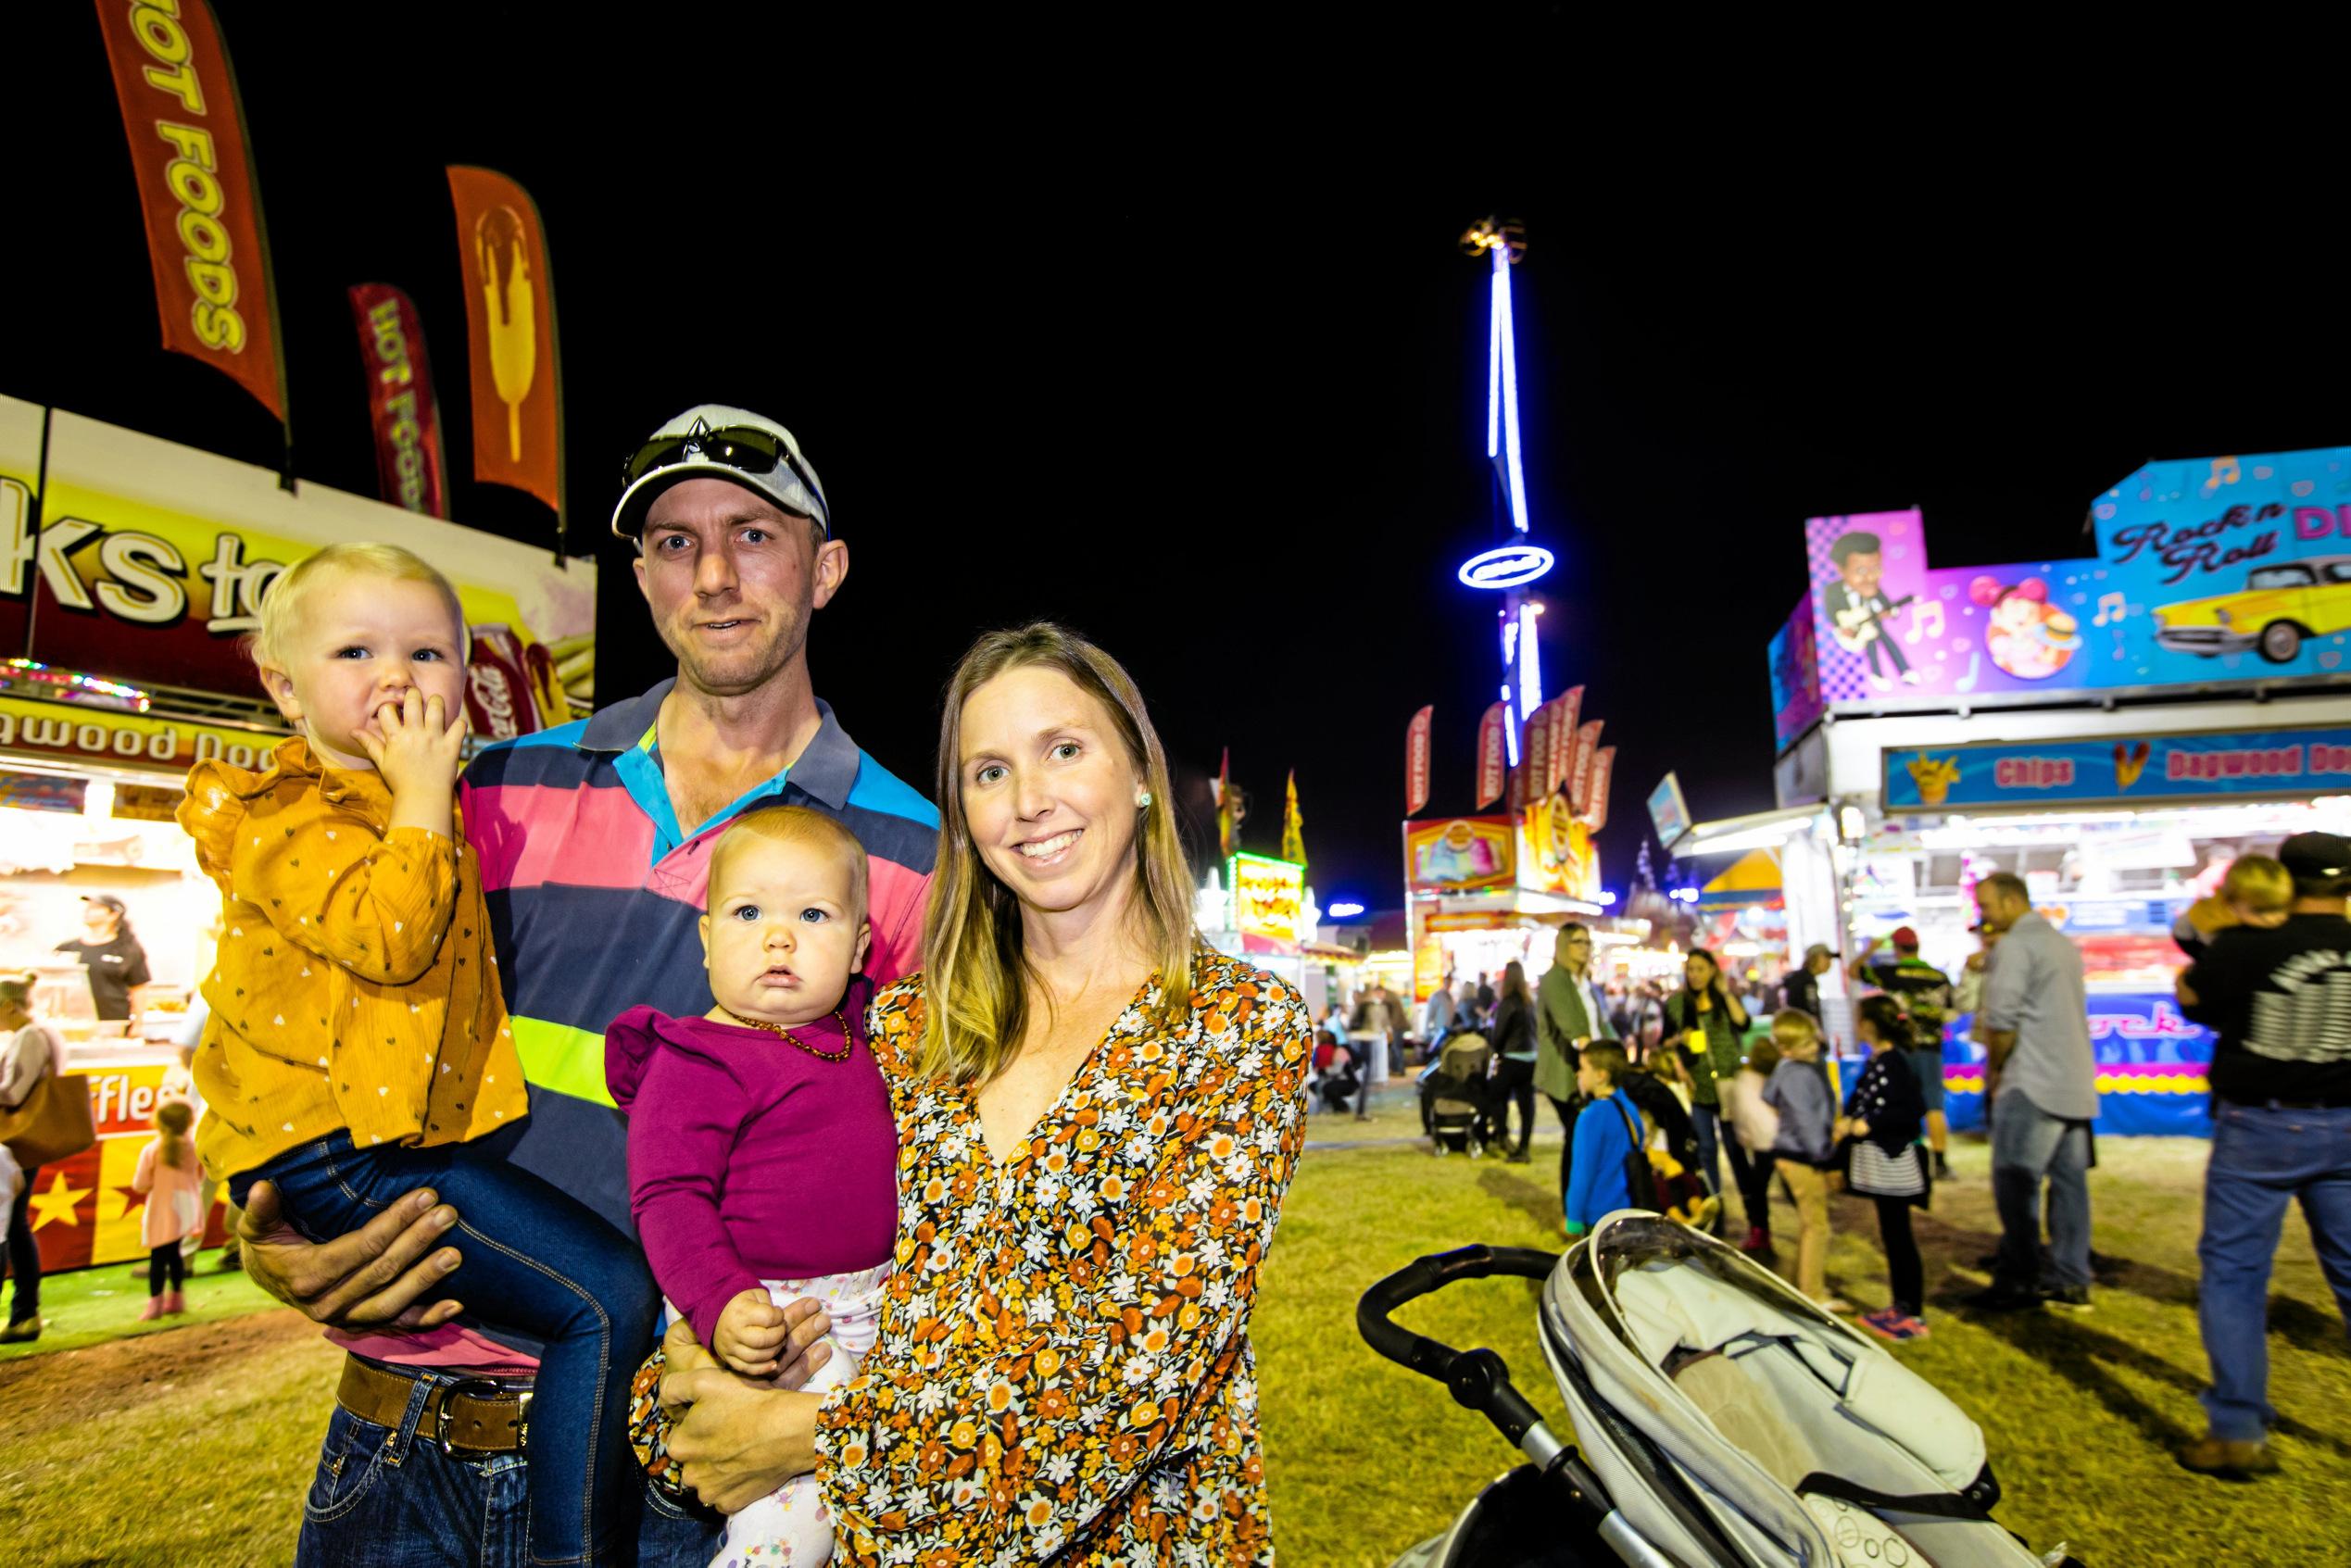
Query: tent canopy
x=1754 y=878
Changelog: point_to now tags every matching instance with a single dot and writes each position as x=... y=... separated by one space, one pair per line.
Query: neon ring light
x=1508 y=566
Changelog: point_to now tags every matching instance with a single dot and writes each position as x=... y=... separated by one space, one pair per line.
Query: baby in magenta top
x=762 y=1157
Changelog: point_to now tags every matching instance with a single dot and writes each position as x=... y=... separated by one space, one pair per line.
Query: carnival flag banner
x=205 y=234
x=510 y=315
x=1492 y=759
x=1293 y=825
x=1417 y=761
x=1604 y=767
x=1565 y=710
x=1533 y=772
x=1225 y=806
x=409 y=466
x=1579 y=779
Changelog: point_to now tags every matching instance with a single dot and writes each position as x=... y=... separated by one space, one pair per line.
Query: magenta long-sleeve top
x=749 y=1158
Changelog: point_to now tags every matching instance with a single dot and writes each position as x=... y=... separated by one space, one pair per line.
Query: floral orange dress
x=1065 y=1369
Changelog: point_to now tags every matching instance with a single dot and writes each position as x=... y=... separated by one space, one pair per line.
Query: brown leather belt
x=473 y=1415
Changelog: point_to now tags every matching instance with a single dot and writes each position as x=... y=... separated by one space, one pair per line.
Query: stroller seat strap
x=1937 y=1505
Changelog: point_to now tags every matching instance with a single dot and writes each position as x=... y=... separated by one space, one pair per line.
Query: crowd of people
x=1658 y=1088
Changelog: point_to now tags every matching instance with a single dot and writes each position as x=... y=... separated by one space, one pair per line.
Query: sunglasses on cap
x=746 y=448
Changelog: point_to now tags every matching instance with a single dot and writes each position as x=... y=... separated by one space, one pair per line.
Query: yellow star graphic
x=57 y=1203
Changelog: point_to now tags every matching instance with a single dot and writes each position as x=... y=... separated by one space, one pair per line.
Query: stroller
x=1454 y=1090
x=1724 y=1420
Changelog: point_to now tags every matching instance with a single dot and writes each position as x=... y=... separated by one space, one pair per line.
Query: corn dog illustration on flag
x=514 y=370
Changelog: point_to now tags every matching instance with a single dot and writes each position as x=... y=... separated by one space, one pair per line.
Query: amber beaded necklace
x=842 y=1055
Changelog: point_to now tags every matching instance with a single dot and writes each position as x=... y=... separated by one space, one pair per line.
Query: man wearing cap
x=1924 y=992
x=1800 y=987
x=593 y=840
x=2280 y=999
x=2040 y=1091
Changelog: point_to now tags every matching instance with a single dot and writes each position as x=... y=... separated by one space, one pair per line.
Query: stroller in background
x=1454 y=1089
x=1724 y=1420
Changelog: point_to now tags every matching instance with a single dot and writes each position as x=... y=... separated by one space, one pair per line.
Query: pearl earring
x=1142 y=798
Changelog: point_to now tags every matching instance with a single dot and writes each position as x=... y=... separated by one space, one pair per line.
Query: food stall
x=1485 y=891
x=2054 y=721
x=139 y=567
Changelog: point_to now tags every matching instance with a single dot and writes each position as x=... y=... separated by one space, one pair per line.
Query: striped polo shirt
x=595 y=891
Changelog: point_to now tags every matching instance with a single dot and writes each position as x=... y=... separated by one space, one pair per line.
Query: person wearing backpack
x=1609 y=1169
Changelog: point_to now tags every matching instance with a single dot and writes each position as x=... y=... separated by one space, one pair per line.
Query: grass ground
x=93 y=1306
x=1364 y=1458
x=193 y=1447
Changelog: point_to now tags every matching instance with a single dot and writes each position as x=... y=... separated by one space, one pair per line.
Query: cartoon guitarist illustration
x=1855 y=606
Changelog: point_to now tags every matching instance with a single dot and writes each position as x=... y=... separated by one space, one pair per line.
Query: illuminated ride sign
x=1506 y=566
x=1269 y=902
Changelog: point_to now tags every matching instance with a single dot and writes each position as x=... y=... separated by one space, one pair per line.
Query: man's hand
x=751 y=1331
x=734 y=1441
x=370 y=1278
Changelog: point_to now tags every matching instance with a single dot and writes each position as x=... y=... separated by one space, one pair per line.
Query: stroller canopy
x=1734 y=1421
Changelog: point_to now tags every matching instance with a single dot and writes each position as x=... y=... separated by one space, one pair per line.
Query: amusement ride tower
x=1516 y=560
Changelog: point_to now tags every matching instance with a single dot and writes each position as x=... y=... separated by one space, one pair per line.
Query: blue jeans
x=388 y=1497
x=2029 y=1146
x=534 y=1261
x=1707 y=1124
x=2262 y=1159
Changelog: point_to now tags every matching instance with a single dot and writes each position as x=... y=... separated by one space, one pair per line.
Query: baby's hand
x=750 y=1333
x=414 y=743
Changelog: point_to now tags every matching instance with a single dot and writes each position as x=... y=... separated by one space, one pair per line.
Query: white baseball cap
x=714 y=441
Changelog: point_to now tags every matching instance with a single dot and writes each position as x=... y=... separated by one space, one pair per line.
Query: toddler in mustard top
x=358 y=1041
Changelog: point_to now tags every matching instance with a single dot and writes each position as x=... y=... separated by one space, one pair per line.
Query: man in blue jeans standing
x=2040 y=1090
x=593 y=840
x=2280 y=1002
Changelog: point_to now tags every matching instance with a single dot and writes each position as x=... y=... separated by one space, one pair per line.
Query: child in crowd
x=1883 y=1117
x=170 y=1174
x=737 y=1117
x=1657 y=1092
x=1608 y=1132
x=1756 y=1126
x=2256 y=892
x=1806 y=1145
x=357 y=1040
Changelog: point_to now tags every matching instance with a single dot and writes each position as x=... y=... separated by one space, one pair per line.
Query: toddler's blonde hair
x=283 y=601
x=1792 y=1028
x=792 y=825
x=2259 y=883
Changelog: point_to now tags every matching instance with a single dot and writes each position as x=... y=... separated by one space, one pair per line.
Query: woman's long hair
x=1515 y=982
x=976 y=977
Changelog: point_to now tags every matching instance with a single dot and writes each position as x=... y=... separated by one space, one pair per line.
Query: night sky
x=1208 y=385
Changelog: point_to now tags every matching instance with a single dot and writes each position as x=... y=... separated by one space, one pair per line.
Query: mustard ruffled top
x=356 y=986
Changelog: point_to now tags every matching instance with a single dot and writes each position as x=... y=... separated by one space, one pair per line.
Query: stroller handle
x=1478 y=1379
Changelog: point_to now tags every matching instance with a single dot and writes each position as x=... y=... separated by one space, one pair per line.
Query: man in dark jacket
x=1800 y=988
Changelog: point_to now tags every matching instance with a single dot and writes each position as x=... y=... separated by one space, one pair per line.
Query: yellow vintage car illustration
x=2281 y=606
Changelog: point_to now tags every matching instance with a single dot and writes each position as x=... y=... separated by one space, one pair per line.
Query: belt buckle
x=480 y=1388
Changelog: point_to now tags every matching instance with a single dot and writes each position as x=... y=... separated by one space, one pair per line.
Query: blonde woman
x=1097 y=1121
